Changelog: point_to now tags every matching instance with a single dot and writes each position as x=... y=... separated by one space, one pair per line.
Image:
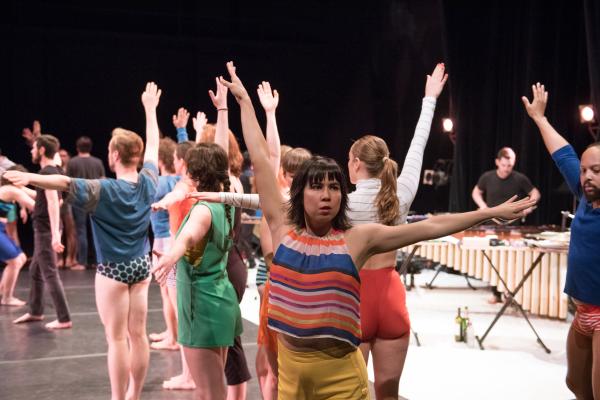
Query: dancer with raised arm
x=10 y=252
x=583 y=273
x=380 y=197
x=315 y=286
x=120 y=214
x=209 y=317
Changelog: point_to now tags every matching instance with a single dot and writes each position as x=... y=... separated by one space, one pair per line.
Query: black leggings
x=236 y=367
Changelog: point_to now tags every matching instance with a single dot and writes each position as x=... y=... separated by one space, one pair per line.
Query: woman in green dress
x=209 y=314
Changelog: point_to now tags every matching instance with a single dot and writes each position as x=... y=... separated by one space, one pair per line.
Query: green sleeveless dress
x=208 y=310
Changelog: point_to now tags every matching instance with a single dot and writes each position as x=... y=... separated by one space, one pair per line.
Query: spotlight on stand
x=587 y=116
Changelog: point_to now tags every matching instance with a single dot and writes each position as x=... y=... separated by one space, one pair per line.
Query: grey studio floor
x=71 y=364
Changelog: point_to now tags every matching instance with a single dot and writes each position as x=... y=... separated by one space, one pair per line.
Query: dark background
x=343 y=69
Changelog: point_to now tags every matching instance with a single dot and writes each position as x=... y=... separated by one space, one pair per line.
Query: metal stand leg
x=416 y=337
x=469 y=282
x=429 y=285
x=511 y=300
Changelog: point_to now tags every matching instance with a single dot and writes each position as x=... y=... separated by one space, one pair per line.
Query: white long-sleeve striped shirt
x=361 y=202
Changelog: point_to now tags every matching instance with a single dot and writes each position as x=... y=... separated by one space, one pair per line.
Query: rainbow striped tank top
x=315 y=288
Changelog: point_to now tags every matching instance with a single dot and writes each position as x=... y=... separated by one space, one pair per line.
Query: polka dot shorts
x=129 y=272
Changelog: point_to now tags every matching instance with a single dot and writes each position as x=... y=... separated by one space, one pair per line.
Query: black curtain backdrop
x=496 y=51
x=343 y=70
x=592 y=30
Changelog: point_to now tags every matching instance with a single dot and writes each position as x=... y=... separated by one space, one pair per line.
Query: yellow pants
x=317 y=375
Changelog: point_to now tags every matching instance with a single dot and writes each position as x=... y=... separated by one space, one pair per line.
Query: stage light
x=586 y=113
x=448 y=125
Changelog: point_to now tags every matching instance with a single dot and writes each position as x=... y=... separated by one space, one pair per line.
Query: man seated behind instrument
x=496 y=186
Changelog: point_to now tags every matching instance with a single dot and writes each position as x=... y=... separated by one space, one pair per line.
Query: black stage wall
x=343 y=69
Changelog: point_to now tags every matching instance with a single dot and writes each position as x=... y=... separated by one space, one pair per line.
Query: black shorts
x=128 y=272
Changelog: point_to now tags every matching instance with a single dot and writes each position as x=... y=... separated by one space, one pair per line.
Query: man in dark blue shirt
x=583 y=273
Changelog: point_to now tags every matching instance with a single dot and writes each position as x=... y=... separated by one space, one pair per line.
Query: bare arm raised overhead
x=266 y=182
x=552 y=139
x=150 y=100
x=219 y=100
x=270 y=100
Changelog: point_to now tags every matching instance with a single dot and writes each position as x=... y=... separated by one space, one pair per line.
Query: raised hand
x=181 y=119
x=17 y=178
x=269 y=99
x=537 y=107
x=436 y=81
x=511 y=209
x=235 y=86
x=30 y=134
x=199 y=123
x=211 y=197
x=151 y=96
x=219 y=100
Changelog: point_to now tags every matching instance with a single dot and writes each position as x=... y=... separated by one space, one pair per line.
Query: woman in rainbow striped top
x=315 y=285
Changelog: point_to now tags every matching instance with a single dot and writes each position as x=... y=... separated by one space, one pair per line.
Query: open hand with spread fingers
x=513 y=209
x=537 y=107
x=151 y=95
x=436 y=81
x=268 y=98
x=180 y=120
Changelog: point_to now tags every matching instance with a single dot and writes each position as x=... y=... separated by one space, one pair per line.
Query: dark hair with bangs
x=315 y=169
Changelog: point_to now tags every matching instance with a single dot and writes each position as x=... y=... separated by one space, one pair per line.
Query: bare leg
x=185 y=380
x=266 y=371
x=596 y=365
x=388 y=362
x=579 y=365
x=237 y=392
x=207 y=366
x=169 y=340
x=112 y=300
x=139 y=351
x=9 y=280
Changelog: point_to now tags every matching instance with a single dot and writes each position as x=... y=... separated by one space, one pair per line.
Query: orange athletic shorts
x=266 y=336
x=383 y=312
x=587 y=319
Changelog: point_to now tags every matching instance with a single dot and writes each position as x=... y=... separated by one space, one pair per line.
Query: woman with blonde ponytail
x=381 y=198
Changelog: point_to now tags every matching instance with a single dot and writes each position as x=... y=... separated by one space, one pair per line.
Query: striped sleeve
x=408 y=181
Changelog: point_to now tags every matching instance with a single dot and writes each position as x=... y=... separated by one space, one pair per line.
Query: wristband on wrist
x=222 y=109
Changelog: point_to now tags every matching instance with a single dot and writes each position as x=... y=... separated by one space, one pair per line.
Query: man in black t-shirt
x=85 y=166
x=46 y=238
x=496 y=186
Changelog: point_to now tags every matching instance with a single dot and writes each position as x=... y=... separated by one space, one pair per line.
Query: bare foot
x=13 y=301
x=179 y=383
x=28 y=318
x=77 y=267
x=157 y=337
x=164 y=344
x=56 y=324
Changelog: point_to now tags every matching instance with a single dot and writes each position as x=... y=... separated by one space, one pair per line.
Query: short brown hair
x=84 y=144
x=128 y=144
x=293 y=159
x=166 y=148
x=49 y=143
x=182 y=148
x=234 y=154
x=505 y=152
